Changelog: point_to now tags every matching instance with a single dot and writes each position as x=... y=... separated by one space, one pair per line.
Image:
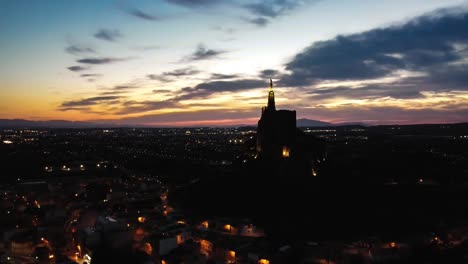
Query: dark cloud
x=269 y=74
x=195 y=3
x=274 y=8
x=453 y=113
x=231 y=86
x=393 y=90
x=170 y=75
x=219 y=76
x=77 y=68
x=158 y=77
x=108 y=34
x=100 y=60
x=453 y=77
x=181 y=72
x=76 y=49
x=265 y=10
x=202 y=53
x=91 y=75
x=259 y=21
x=162 y=91
x=88 y=101
x=422 y=44
x=113 y=92
x=206 y=89
x=143 y=15
x=124 y=87
x=131 y=107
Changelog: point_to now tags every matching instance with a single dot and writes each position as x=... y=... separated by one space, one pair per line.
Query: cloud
x=103 y=60
x=77 y=49
x=265 y=10
x=143 y=15
x=393 y=115
x=373 y=91
x=108 y=34
x=227 y=30
x=202 y=53
x=169 y=76
x=207 y=89
x=259 y=21
x=77 y=68
x=124 y=87
x=231 y=86
x=90 y=75
x=269 y=74
x=158 y=77
x=195 y=3
x=423 y=44
x=181 y=72
x=274 y=8
x=218 y=76
x=147 y=48
x=162 y=91
x=131 y=107
x=88 y=101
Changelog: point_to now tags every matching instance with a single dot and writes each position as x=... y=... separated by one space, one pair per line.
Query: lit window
x=286 y=151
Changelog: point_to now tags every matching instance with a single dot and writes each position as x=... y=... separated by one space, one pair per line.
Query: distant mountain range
x=22 y=123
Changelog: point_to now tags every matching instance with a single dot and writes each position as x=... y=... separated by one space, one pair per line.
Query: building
x=276 y=132
x=282 y=147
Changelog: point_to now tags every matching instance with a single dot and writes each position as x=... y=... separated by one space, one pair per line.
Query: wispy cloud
x=259 y=21
x=219 y=76
x=88 y=101
x=103 y=60
x=77 y=68
x=143 y=15
x=207 y=89
x=162 y=91
x=227 y=30
x=275 y=8
x=124 y=87
x=147 y=48
x=108 y=34
x=159 y=77
x=203 y=53
x=195 y=3
x=131 y=107
x=264 y=10
x=77 y=49
x=169 y=75
x=182 y=72
x=91 y=75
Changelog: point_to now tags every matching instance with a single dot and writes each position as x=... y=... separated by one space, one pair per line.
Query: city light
x=285 y=152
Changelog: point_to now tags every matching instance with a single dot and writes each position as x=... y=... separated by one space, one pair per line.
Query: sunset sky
x=208 y=62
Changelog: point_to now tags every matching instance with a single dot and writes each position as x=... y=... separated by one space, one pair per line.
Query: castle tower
x=271 y=98
x=276 y=131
